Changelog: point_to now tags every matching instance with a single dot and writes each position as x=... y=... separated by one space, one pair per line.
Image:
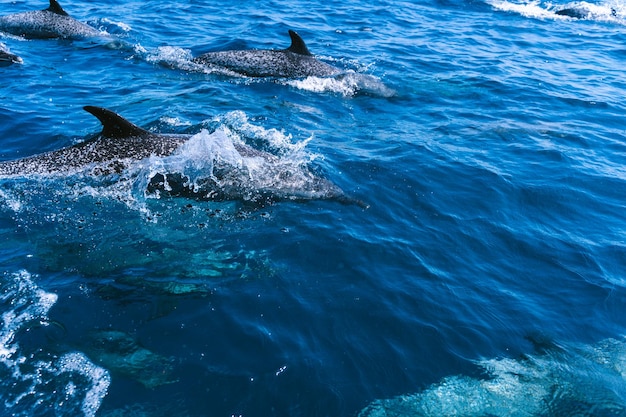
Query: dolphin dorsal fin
x=115 y=126
x=297 y=44
x=55 y=7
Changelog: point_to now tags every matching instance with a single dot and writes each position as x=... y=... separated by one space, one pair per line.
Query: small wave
x=32 y=382
x=583 y=381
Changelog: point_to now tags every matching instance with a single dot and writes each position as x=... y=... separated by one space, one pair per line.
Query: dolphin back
x=50 y=23
x=573 y=12
x=293 y=62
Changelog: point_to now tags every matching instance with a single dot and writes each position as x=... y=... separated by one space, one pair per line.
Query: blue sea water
x=486 y=277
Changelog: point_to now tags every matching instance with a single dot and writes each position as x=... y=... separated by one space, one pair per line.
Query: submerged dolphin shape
x=122 y=354
x=121 y=142
x=7 y=58
x=293 y=62
x=53 y=22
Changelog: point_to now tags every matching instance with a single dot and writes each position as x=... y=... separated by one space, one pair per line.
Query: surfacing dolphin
x=53 y=22
x=293 y=62
x=580 y=12
x=121 y=143
x=7 y=58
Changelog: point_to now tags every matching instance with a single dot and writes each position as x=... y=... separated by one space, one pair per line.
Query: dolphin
x=573 y=12
x=7 y=58
x=293 y=62
x=53 y=22
x=120 y=143
x=580 y=12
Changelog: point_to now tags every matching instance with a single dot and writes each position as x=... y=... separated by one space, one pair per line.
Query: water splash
x=219 y=166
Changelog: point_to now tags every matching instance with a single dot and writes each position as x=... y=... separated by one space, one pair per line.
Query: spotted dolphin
x=120 y=143
x=293 y=62
x=7 y=58
x=53 y=22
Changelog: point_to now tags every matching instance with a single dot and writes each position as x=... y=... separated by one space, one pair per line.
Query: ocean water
x=483 y=275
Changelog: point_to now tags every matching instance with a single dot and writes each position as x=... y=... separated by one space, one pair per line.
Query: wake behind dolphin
x=224 y=170
x=53 y=22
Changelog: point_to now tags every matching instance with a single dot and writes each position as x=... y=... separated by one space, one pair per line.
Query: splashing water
x=218 y=166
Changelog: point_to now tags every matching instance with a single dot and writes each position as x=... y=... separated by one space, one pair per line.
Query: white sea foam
x=348 y=84
x=532 y=8
x=169 y=55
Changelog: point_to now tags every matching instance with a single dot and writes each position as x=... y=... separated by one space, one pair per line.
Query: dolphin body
x=121 y=143
x=50 y=23
x=580 y=12
x=7 y=58
x=293 y=62
x=573 y=12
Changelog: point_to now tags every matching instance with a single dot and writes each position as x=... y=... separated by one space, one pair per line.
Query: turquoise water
x=486 y=277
